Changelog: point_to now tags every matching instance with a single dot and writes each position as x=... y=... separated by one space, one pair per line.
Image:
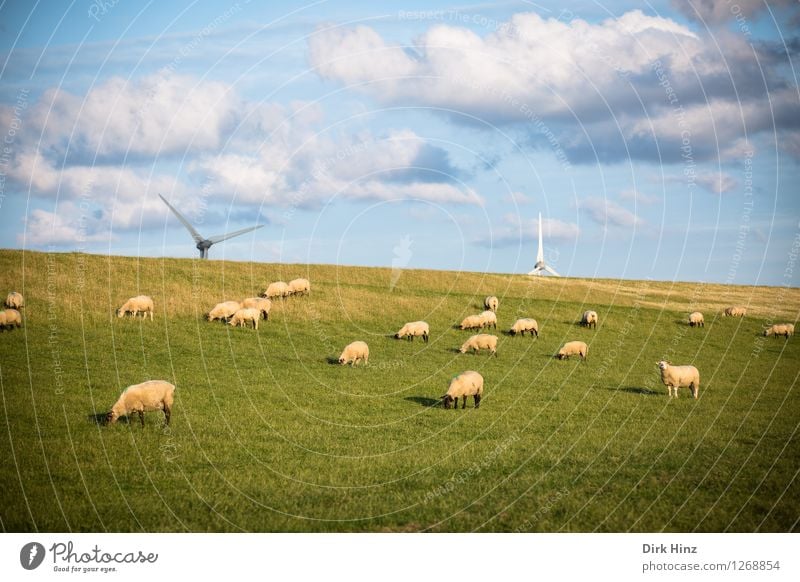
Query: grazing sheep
x=468 y=383
x=260 y=303
x=224 y=310
x=488 y=318
x=522 y=325
x=674 y=377
x=735 y=311
x=10 y=318
x=354 y=352
x=242 y=316
x=784 y=329
x=136 y=305
x=491 y=302
x=414 y=329
x=15 y=300
x=299 y=287
x=589 y=318
x=696 y=318
x=277 y=289
x=144 y=397
x=482 y=341
x=573 y=349
x=472 y=322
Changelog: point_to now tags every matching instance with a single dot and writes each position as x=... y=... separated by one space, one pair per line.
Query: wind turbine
x=203 y=244
x=540 y=267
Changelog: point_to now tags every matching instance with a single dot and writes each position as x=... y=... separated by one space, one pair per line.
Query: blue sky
x=658 y=140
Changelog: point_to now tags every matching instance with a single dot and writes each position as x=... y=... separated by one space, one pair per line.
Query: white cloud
x=607 y=213
x=71 y=227
x=518 y=198
x=719 y=11
x=717 y=183
x=514 y=229
x=639 y=197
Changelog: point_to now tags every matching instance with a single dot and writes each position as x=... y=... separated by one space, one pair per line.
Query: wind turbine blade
x=222 y=237
x=540 y=252
x=551 y=270
x=195 y=235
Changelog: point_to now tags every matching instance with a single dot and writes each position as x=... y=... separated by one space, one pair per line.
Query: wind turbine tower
x=540 y=268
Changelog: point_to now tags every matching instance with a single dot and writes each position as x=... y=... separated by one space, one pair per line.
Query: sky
x=659 y=140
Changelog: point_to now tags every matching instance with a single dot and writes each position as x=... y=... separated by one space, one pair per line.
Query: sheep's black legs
x=141 y=417
x=463 y=402
x=167 y=413
x=477 y=401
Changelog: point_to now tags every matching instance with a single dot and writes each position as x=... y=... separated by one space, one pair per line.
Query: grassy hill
x=268 y=435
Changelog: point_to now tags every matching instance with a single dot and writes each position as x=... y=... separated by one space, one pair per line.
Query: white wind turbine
x=540 y=267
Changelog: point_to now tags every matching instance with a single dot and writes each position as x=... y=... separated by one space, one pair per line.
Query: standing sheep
x=277 y=289
x=481 y=341
x=674 y=377
x=522 y=325
x=136 y=305
x=260 y=303
x=589 y=318
x=299 y=287
x=784 y=329
x=573 y=349
x=414 y=329
x=472 y=322
x=15 y=300
x=488 y=318
x=354 y=352
x=242 y=316
x=224 y=310
x=696 y=319
x=491 y=302
x=735 y=311
x=468 y=383
x=10 y=318
x=144 y=397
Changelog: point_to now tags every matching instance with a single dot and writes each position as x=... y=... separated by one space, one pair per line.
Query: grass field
x=268 y=435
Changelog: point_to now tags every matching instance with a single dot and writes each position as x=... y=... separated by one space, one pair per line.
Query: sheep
x=144 y=397
x=354 y=352
x=491 y=302
x=468 y=383
x=260 y=303
x=472 y=322
x=277 y=289
x=589 y=318
x=136 y=305
x=481 y=341
x=488 y=318
x=15 y=300
x=224 y=310
x=573 y=349
x=10 y=318
x=784 y=329
x=242 y=316
x=522 y=325
x=413 y=329
x=696 y=318
x=735 y=311
x=299 y=287
x=674 y=377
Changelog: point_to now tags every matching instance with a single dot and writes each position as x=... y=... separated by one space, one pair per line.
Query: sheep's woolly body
x=575 y=348
x=224 y=310
x=15 y=300
x=276 y=289
x=136 y=305
x=481 y=341
x=589 y=318
x=144 y=397
x=472 y=322
x=245 y=315
x=355 y=352
x=10 y=318
x=469 y=383
x=696 y=319
x=784 y=329
x=262 y=304
x=735 y=311
x=414 y=329
x=491 y=302
x=675 y=377
x=488 y=318
x=522 y=325
x=299 y=287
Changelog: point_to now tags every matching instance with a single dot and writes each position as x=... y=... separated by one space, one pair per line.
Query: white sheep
x=575 y=348
x=468 y=383
x=414 y=329
x=10 y=318
x=481 y=341
x=472 y=322
x=522 y=325
x=354 y=352
x=15 y=300
x=244 y=315
x=735 y=311
x=488 y=318
x=674 y=377
x=262 y=304
x=491 y=302
x=136 y=305
x=299 y=287
x=224 y=310
x=784 y=329
x=144 y=397
x=276 y=289
x=696 y=319
x=589 y=318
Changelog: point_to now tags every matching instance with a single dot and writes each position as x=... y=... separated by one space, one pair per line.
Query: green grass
x=268 y=435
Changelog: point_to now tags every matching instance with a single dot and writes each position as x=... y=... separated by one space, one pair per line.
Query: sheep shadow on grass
x=98 y=418
x=332 y=360
x=425 y=401
x=635 y=390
